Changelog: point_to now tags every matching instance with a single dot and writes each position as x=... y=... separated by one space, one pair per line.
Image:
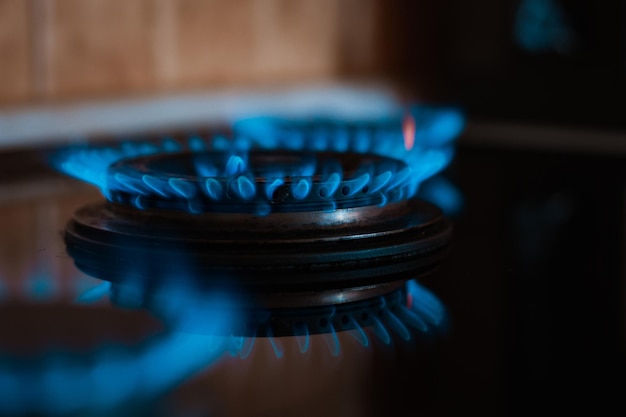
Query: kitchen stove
x=231 y=238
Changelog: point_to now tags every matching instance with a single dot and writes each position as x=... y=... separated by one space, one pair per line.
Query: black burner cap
x=279 y=251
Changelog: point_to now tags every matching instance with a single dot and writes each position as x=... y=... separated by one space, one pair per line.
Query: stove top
x=532 y=283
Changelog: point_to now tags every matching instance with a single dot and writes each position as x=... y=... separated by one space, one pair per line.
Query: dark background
x=571 y=68
x=534 y=284
x=535 y=279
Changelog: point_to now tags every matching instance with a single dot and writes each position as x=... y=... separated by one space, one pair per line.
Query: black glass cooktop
x=534 y=284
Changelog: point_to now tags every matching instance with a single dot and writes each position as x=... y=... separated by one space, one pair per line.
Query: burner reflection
x=195 y=310
x=104 y=377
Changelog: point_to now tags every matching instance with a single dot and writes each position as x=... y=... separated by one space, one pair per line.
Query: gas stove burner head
x=295 y=251
x=257 y=182
x=307 y=241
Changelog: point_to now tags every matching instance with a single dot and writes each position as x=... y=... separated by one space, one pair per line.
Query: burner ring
x=256 y=182
x=294 y=251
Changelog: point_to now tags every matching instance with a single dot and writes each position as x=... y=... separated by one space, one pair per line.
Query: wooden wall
x=57 y=50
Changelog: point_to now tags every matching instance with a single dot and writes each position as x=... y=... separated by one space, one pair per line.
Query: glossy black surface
x=534 y=284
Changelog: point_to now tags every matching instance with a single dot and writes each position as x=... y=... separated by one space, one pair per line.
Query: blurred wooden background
x=54 y=50
x=63 y=49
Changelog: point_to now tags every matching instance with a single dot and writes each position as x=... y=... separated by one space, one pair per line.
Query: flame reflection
x=408 y=131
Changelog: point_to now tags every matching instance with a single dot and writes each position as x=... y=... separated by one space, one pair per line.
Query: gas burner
x=304 y=266
x=306 y=229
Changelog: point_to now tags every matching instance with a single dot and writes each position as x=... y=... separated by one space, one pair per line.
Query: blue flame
x=301 y=332
x=39 y=286
x=235 y=165
x=301 y=188
x=90 y=164
x=332 y=341
x=425 y=303
x=436 y=129
x=244 y=187
x=102 y=381
x=433 y=150
x=94 y=294
x=214 y=189
x=380 y=330
x=396 y=324
x=358 y=333
x=442 y=193
x=246 y=347
x=183 y=188
x=193 y=310
x=112 y=377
